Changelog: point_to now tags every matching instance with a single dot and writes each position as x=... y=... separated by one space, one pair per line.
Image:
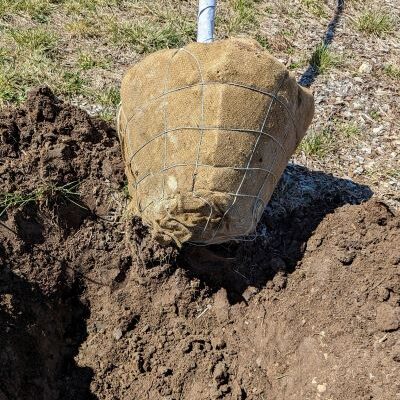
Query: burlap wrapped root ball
x=206 y=132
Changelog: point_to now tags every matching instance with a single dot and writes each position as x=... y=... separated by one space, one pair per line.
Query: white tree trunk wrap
x=206 y=21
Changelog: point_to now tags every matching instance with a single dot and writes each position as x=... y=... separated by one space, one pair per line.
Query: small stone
x=359 y=159
x=192 y=366
x=378 y=129
x=162 y=370
x=379 y=151
x=365 y=68
x=366 y=150
x=249 y=293
x=321 y=388
x=117 y=333
x=383 y=294
x=279 y=281
x=99 y=327
x=359 y=170
x=346 y=257
x=387 y=317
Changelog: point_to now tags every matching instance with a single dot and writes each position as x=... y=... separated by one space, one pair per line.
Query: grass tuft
x=67 y=192
x=317 y=144
x=263 y=40
x=87 y=61
x=348 y=130
x=147 y=37
x=316 y=7
x=375 y=23
x=244 y=15
x=34 y=39
x=392 y=71
x=83 y=28
x=72 y=83
x=109 y=97
x=10 y=200
x=323 y=59
x=38 y=10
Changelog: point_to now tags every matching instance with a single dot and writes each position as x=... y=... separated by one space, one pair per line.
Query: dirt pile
x=92 y=308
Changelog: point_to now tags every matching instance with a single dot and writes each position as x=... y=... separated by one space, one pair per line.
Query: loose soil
x=92 y=308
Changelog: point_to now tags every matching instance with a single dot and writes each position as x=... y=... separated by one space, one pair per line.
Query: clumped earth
x=92 y=308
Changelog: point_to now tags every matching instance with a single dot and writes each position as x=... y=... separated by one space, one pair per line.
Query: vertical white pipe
x=206 y=21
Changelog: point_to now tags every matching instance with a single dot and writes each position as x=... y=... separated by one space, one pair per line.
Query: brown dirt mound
x=92 y=308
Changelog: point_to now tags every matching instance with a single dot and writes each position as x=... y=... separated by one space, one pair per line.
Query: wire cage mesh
x=206 y=131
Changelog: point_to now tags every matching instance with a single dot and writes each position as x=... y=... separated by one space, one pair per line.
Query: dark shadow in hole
x=300 y=202
x=39 y=337
x=308 y=77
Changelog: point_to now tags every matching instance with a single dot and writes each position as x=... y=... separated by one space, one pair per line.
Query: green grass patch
x=125 y=190
x=72 y=83
x=263 y=40
x=34 y=39
x=243 y=15
x=393 y=173
x=317 y=144
x=9 y=86
x=80 y=7
x=38 y=10
x=147 y=37
x=392 y=71
x=295 y=65
x=323 y=59
x=375 y=23
x=87 y=61
x=84 y=28
x=107 y=115
x=316 y=7
x=348 y=130
x=109 y=97
x=375 y=115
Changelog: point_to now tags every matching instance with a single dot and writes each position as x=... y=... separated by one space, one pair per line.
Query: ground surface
x=92 y=308
x=82 y=48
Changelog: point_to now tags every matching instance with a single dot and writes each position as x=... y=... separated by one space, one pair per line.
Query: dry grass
x=68 y=193
x=80 y=48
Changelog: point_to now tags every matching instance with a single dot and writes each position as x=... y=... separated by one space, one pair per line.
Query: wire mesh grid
x=124 y=123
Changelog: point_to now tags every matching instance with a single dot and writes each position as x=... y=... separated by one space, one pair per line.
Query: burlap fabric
x=206 y=132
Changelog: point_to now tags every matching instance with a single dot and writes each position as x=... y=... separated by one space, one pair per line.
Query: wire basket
x=206 y=132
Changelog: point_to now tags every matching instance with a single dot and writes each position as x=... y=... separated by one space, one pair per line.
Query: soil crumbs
x=92 y=308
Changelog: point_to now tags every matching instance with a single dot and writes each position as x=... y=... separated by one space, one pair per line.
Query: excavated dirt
x=92 y=308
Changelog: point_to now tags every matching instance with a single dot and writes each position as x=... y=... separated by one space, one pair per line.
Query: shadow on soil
x=39 y=338
x=300 y=202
